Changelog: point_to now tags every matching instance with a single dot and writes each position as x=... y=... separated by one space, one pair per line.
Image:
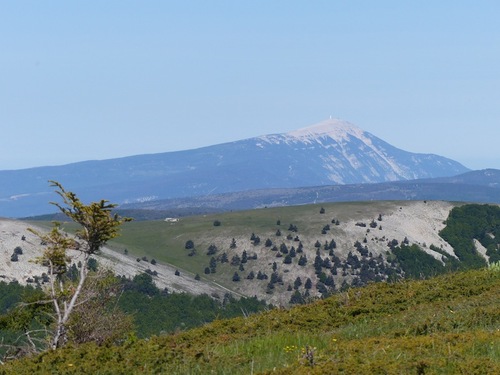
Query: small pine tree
x=213 y=265
x=297 y=298
x=297 y=283
x=274 y=278
x=233 y=244
x=300 y=248
x=235 y=260
x=212 y=249
x=302 y=260
x=283 y=249
x=329 y=281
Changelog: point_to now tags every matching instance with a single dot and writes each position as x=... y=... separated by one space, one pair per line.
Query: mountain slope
x=445 y=325
x=351 y=242
x=332 y=152
x=15 y=234
x=350 y=155
x=333 y=245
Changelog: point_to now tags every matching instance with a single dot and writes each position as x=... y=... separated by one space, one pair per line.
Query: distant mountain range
x=332 y=152
x=475 y=187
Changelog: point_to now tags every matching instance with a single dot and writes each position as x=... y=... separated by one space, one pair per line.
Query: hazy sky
x=84 y=80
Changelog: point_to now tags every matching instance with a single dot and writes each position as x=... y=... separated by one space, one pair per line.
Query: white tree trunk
x=63 y=315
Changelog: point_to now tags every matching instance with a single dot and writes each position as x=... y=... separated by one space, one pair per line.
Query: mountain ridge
x=310 y=156
x=467 y=187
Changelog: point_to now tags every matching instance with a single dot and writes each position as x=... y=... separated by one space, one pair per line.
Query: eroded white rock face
x=481 y=250
x=15 y=234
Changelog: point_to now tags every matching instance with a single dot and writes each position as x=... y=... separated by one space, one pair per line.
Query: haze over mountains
x=333 y=152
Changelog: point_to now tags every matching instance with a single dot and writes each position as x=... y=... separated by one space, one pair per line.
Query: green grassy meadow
x=164 y=241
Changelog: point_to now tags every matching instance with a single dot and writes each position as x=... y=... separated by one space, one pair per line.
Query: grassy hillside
x=445 y=325
x=289 y=254
x=353 y=236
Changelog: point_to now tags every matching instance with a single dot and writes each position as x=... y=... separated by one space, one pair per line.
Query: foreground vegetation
x=143 y=310
x=445 y=325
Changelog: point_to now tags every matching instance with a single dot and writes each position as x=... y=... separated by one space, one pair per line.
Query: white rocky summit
x=338 y=130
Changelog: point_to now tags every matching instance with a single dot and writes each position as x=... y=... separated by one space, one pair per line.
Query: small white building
x=171 y=220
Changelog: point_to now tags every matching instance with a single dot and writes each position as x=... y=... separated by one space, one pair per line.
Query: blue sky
x=84 y=80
